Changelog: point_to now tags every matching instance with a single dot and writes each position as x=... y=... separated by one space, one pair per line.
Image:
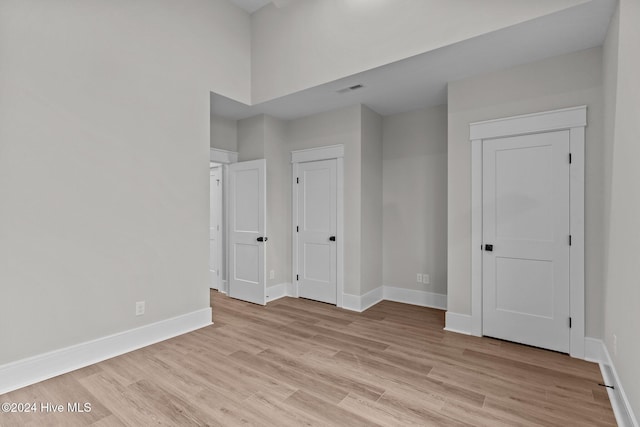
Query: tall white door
x=215 y=229
x=247 y=228
x=526 y=239
x=316 y=230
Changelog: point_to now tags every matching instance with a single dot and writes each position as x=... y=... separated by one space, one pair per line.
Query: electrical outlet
x=615 y=345
x=426 y=279
x=139 y=308
x=272 y=274
x=419 y=278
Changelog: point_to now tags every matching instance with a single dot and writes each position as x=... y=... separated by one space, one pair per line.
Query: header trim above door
x=319 y=153
x=222 y=156
x=566 y=118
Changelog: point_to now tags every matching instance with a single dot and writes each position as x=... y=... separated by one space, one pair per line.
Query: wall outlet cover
x=140 y=307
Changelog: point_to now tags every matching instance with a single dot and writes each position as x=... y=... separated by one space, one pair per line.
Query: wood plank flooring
x=299 y=362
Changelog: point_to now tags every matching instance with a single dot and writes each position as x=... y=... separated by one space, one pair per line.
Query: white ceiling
x=421 y=81
x=251 y=5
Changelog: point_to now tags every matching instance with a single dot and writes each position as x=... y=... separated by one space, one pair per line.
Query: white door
x=316 y=230
x=247 y=227
x=526 y=239
x=215 y=218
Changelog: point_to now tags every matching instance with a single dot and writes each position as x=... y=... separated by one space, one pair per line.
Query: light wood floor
x=298 y=362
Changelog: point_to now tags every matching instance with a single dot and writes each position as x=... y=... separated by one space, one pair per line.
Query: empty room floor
x=300 y=362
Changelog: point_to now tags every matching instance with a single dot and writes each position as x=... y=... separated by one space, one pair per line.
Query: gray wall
x=622 y=291
x=251 y=138
x=104 y=130
x=278 y=201
x=564 y=81
x=291 y=50
x=223 y=133
x=415 y=199
x=371 y=188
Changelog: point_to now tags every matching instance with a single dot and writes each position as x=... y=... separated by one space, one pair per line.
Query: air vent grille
x=350 y=88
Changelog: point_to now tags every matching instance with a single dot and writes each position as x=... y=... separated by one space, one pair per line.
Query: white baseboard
x=278 y=291
x=456 y=322
x=292 y=290
x=596 y=351
x=371 y=298
x=38 y=368
x=361 y=303
x=352 y=302
x=393 y=293
x=415 y=297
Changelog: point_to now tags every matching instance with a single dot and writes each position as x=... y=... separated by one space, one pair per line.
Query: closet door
x=247 y=228
x=316 y=230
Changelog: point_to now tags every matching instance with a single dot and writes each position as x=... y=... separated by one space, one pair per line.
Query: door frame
x=574 y=120
x=225 y=158
x=219 y=207
x=311 y=155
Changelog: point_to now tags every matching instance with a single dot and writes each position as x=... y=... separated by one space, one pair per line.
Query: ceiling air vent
x=350 y=88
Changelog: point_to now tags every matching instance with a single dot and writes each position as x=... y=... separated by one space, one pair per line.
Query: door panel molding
x=308 y=155
x=574 y=120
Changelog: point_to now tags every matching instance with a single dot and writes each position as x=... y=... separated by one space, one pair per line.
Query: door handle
x=332 y=238
x=488 y=248
x=262 y=239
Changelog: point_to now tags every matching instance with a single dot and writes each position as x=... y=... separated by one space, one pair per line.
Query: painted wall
x=564 y=81
x=223 y=133
x=610 y=88
x=622 y=288
x=415 y=199
x=278 y=201
x=309 y=43
x=371 y=188
x=104 y=149
x=251 y=138
x=340 y=126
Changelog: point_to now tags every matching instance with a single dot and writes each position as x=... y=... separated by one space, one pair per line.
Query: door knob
x=488 y=248
x=262 y=239
x=332 y=238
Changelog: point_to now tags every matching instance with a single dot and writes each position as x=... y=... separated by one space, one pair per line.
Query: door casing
x=225 y=158
x=309 y=155
x=574 y=120
x=216 y=282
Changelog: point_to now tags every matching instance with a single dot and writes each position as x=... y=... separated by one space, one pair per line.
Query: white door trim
x=222 y=156
x=310 y=155
x=575 y=120
x=220 y=231
x=225 y=158
x=319 y=153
